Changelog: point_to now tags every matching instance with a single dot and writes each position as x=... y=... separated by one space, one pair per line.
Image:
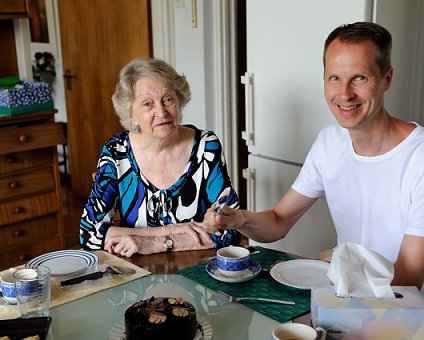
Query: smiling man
x=369 y=165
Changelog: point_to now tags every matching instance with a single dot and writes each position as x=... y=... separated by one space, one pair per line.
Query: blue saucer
x=254 y=269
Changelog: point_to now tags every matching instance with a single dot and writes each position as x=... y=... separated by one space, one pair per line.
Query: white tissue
x=361 y=272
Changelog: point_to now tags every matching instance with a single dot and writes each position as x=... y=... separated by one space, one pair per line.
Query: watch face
x=169 y=243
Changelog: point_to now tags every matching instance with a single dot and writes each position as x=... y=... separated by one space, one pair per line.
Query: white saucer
x=5 y=303
x=253 y=270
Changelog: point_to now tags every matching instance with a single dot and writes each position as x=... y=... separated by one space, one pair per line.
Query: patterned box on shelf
x=24 y=98
x=402 y=317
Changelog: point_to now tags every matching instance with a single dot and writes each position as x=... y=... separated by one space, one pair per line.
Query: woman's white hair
x=138 y=69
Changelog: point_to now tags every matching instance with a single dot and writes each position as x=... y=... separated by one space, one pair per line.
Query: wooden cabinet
x=31 y=218
x=14 y=9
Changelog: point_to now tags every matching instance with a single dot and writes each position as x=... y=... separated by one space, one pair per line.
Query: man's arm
x=266 y=226
x=409 y=267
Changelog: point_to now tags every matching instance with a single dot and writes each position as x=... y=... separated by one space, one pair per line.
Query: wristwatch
x=169 y=243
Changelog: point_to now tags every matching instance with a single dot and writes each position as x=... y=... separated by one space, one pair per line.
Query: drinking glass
x=33 y=291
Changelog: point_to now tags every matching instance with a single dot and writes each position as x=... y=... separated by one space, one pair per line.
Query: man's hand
x=326 y=255
x=227 y=219
x=409 y=266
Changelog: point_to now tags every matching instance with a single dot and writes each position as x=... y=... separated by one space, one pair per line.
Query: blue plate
x=254 y=269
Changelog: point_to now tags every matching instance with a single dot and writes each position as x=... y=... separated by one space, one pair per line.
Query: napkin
x=361 y=272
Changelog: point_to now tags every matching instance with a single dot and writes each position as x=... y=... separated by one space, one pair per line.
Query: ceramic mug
x=297 y=331
x=233 y=261
x=8 y=286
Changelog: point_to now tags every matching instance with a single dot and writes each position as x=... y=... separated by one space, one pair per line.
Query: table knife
x=114 y=270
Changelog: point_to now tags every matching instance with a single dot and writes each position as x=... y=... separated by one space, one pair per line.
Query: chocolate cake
x=161 y=318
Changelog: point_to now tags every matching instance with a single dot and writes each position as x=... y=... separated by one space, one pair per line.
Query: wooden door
x=98 y=37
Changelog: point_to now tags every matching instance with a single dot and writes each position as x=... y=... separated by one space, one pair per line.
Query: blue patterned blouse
x=119 y=185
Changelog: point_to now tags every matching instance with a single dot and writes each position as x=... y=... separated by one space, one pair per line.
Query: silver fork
x=230 y=298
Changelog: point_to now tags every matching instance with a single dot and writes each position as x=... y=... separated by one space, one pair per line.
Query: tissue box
x=24 y=98
x=403 y=316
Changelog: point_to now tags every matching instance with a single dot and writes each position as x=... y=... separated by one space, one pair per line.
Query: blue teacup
x=8 y=287
x=25 y=281
x=233 y=261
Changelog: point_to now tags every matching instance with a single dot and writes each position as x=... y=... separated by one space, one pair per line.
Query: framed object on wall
x=39 y=22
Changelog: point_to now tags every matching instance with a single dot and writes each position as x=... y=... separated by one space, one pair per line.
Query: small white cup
x=8 y=287
x=297 y=331
x=233 y=261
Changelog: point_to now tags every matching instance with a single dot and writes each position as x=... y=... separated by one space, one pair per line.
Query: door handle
x=249 y=175
x=68 y=76
x=247 y=80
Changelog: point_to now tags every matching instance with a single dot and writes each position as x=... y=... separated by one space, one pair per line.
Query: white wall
x=205 y=53
x=188 y=55
x=190 y=59
x=401 y=18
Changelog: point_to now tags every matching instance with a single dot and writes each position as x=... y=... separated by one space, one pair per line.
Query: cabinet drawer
x=25 y=183
x=28 y=232
x=13 y=8
x=23 y=209
x=12 y=257
x=17 y=139
x=25 y=160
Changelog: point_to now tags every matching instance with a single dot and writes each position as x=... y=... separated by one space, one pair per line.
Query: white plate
x=301 y=273
x=254 y=269
x=65 y=262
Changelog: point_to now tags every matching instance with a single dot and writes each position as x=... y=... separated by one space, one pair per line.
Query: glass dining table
x=101 y=315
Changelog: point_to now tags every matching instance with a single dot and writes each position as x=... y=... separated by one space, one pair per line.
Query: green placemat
x=261 y=286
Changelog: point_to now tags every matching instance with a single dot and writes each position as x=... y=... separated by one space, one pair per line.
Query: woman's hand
x=129 y=241
x=114 y=231
x=195 y=238
x=128 y=245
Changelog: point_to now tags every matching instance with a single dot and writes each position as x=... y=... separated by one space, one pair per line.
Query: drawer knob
x=13 y=185
x=10 y=159
x=24 y=257
x=23 y=138
x=18 y=232
x=18 y=210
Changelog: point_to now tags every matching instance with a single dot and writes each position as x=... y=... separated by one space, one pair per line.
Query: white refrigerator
x=285 y=105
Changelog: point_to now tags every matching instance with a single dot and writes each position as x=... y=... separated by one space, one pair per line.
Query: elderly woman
x=160 y=175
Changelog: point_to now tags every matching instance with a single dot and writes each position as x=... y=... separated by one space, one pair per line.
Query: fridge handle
x=247 y=135
x=249 y=175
